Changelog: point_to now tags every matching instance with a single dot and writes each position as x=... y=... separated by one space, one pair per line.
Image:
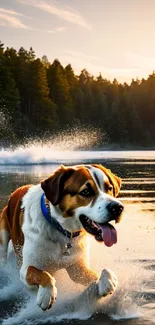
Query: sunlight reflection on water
x=43 y=155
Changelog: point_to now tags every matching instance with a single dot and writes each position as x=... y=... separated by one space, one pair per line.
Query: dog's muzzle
x=104 y=231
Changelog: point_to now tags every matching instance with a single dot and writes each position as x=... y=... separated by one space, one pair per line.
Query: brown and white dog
x=47 y=224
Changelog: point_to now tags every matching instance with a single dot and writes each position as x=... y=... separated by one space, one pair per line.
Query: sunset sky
x=114 y=37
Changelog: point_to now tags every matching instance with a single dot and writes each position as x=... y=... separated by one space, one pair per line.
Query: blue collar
x=46 y=212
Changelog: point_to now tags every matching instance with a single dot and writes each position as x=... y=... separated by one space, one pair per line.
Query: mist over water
x=62 y=147
x=72 y=147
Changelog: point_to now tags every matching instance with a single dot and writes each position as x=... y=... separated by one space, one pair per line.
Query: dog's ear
x=53 y=185
x=114 y=180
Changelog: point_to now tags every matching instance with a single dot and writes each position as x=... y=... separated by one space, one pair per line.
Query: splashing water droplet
x=62 y=147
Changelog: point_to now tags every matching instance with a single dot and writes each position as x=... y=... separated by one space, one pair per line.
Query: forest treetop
x=39 y=99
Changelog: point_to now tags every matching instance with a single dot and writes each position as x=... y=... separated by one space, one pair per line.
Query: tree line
x=39 y=99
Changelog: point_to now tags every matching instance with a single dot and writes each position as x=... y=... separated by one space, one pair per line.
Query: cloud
x=57 y=29
x=60 y=29
x=8 y=19
x=10 y=12
x=83 y=56
x=64 y=13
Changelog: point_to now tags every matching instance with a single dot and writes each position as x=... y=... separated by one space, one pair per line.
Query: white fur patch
x=44 y=246
x=46 y=296
x=107 y=283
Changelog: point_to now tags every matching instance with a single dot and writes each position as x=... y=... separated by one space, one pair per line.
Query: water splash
x=126 y=303
x=62 y=147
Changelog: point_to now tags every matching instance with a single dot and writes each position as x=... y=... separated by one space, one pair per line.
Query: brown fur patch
x=11 y=219
x=3 y=223
x=73 y=186
x=113 y=179
x=38 y=277
x=54 y=184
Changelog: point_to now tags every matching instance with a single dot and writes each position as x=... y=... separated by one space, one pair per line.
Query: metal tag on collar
x=68 y=246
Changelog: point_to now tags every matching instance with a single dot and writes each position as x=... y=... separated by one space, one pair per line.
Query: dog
x=48 y=223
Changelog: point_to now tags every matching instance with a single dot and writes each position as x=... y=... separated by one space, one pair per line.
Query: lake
x=132 y=259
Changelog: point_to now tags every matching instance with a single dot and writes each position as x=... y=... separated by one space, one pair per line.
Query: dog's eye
x=110 y=187
x=86 y=192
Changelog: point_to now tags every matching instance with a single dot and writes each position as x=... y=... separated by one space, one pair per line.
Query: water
x=132 y=259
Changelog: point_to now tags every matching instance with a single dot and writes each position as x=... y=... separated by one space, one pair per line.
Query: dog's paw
x=46 y=296
x=107 y=283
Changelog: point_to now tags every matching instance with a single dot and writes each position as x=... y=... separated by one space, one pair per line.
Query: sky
x=113 y=37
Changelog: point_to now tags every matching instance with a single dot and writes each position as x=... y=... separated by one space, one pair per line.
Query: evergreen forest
x=39 y=99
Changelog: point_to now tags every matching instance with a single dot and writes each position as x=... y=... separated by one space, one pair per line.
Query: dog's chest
x=44 y=246
x=52 y=251
x=61 y=255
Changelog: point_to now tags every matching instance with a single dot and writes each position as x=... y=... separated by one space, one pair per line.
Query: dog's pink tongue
x=109 y=234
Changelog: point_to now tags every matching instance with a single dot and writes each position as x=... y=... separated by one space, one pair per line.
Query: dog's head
x=86 y=196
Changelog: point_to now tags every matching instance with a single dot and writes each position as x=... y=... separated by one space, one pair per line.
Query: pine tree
x=9 y=103
x=31 y=55
x=45 y=61
x=42 y=111
x=70 y=76
x=59 y=93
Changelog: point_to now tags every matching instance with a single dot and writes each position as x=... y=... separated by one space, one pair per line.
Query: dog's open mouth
x=102 y=232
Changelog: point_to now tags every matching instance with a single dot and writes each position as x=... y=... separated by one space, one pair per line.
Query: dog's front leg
x=47 y=291
x=80 y=273
x=104 y=286
x=99 y=286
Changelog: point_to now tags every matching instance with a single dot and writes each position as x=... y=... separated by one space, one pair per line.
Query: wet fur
x=39 y=247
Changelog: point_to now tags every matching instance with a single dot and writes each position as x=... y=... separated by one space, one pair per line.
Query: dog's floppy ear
x=114 y=180
x=53 y=185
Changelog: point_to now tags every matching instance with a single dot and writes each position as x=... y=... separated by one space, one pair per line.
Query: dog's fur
x=39 y=247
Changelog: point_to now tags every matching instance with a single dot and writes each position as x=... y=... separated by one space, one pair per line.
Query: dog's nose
x=115 y=208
